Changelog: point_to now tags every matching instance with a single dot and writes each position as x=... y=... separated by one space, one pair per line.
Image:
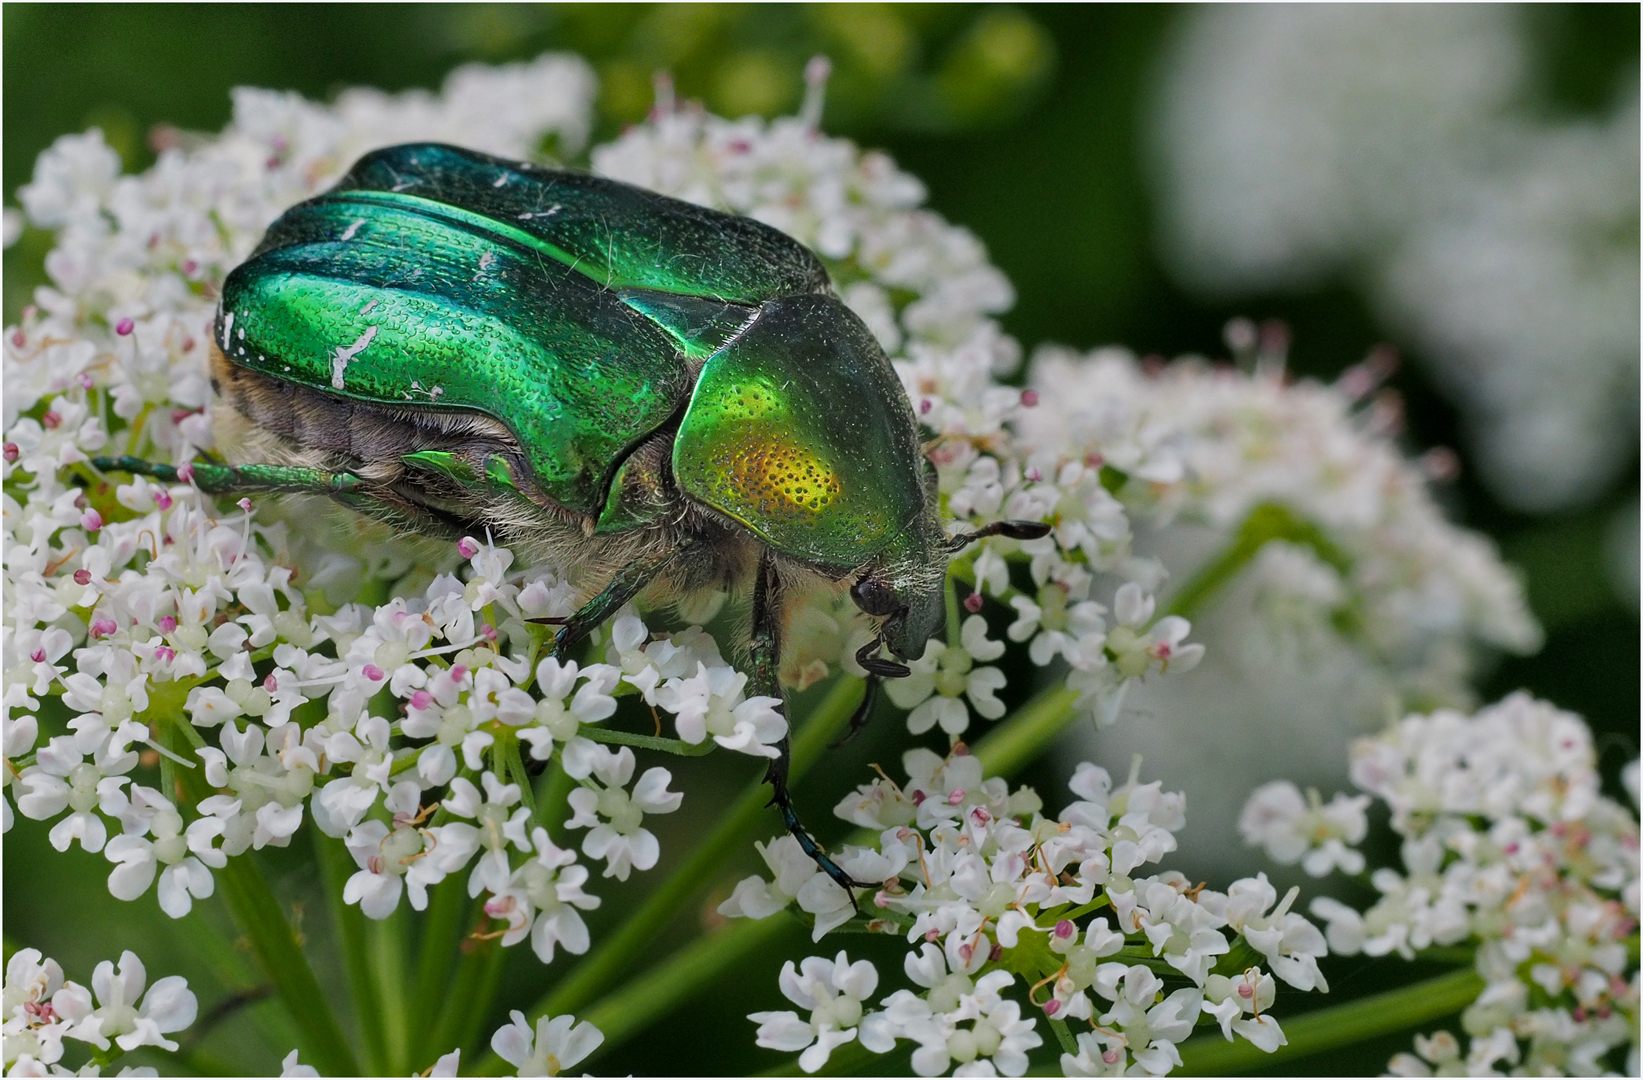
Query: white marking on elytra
x=366 y=310
x=348 y=233
x=549 y=212
x=242 y=333
x=487 y=260
x=501 y=180
x=227 y=327
x=402 y=187
x=345 y=353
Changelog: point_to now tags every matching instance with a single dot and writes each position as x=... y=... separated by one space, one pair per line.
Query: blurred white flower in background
x=1395 y=145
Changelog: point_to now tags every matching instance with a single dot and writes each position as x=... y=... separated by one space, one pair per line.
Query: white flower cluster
x=555 y=1044
x=998 y=896
x=114 y=1015
x=1509 y=848
x=1362 y=549
x=926 y=290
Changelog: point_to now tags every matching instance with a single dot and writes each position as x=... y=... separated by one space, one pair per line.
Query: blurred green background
x=1026 y=123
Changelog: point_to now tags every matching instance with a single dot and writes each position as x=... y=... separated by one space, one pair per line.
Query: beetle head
x=905 y=588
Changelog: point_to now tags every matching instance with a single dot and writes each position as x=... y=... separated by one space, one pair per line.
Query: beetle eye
x=874 y=597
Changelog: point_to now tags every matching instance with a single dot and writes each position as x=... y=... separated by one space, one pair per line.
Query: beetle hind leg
x=227 y=479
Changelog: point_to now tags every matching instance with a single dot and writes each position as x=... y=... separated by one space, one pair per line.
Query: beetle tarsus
x=782 y=800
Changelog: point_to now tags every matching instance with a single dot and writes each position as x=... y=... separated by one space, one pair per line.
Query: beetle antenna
x=884 y=669
x=1015 y=530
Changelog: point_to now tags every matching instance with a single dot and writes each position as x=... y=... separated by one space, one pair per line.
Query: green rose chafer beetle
x=665 y=396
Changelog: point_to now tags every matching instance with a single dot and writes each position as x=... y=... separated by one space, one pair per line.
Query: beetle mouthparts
x=875 y=665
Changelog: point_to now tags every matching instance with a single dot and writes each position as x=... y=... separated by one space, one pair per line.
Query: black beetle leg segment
x=864 y=711
x=228 y=479
x=766 y=649
x=629 y=582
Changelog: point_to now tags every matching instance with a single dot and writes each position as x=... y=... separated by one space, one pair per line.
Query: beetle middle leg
x=629 y=582
x=766 y=649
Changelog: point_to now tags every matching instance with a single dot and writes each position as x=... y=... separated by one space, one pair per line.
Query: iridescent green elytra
x=623 y=382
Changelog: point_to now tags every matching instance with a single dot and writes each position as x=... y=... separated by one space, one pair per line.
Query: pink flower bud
x=165 y=653
x=881 y=899
x=271 y=684
x=39 y=657
x=965 y=952
x=92 y=520
x=244 y=504
x=924 y=406
x=1051 y=1007
x=102 y=626
x=11 y=451
x=955 y=796
x=52 y=420
x=458 y=673
x=185 y=472
x=374 y=673
x=1245 y=990
x=421 y=700
x=1029 y=398
x=918 y=798
x=1110 y=1057
x=487 y=631
x=168 y=625
x=83 y=380
x=1034 y=475
x=82 y=577
x=1065 y=929
x=467 y=547
x=162 y=499
x=18 y=338
x=996 y=953
x=932 y=935
x=972 y=603
x=124 y=327
x=190 y=267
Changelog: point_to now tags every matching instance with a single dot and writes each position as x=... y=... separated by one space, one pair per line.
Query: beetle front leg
x=228 y=479
x=766 y=652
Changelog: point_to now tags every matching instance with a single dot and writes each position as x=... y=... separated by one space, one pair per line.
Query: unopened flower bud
x=124 y=327
x=82 y=577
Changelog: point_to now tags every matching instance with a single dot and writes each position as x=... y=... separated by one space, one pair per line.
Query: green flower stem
x=443 y=929
x=628 y=1011
x=386 y=942
x=258 y=914
x=468 y=998
x=1064 y=1036
x=1269 y=521
x=1342 y=1025
x=335 y=867
x=1018 y=740
x=648 y=742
